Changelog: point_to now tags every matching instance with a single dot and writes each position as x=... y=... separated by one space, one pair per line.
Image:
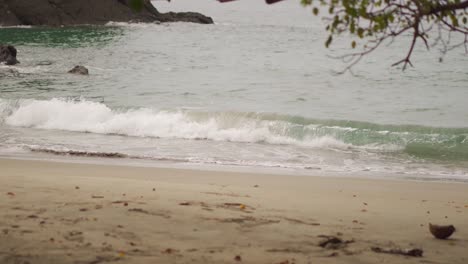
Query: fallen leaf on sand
x=363 y=210
x=138 y=210
x=10 y=194
x=232 y=204
x=121 y=254
x=97 y=197
x=413 y=252
x=77 y=187
x=237 y=258
x=333 y=242
x=169 y=251
x=242 y=206
x=184 y=203
x=83 y=209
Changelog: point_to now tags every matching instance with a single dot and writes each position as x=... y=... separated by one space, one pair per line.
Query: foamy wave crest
x=18 y=26
x=93 y=117
x=131 y=24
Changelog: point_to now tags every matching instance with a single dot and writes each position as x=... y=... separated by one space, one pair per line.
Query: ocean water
x=257 y=91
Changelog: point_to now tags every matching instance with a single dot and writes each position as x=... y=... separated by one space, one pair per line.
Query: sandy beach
x=80 y=213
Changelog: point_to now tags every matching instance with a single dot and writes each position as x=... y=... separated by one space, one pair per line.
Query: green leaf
x=454 y=20
x=329 y=41
x=352 y=27
x=360 y=32
x=315 y=10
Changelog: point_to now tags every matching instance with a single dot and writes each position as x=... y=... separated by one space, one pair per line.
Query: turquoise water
x=252 y=90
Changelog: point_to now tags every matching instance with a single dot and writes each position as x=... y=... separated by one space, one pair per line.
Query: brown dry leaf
x=184 y=203
x=232 y=204
x=237 y=258
x=10 y=194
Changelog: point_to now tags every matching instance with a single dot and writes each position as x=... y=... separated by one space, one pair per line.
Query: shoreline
x=54 y=212
x=220 y=168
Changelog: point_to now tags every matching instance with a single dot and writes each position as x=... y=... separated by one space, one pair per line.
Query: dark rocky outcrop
x=80 y=70
x=79 y=12
x=8 y=55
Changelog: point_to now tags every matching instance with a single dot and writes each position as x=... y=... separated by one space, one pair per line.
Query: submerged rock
x=79 y=12
x=81 y=70
x=8 y=55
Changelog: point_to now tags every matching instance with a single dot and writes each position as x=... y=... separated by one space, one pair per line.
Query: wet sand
x=81 y=213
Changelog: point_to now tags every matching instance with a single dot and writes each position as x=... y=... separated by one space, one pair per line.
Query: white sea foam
x=131 y=25
x=93 y=117
x=18 y=26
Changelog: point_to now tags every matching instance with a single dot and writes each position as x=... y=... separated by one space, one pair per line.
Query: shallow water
x=258 y=89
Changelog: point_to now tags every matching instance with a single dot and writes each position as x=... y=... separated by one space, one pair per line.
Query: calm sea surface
x=256 y=90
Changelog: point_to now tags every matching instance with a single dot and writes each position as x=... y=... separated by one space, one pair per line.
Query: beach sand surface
x=52 y=212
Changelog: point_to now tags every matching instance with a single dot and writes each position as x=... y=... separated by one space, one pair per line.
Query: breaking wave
x=265 y=128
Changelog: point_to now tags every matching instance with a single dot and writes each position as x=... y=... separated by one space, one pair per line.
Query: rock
x=79 y=12
x=441 y=232
x=8 y=55
x=185 y=17
x=79 y=70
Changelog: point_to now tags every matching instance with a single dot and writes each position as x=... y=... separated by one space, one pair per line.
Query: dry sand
x=81 y=213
